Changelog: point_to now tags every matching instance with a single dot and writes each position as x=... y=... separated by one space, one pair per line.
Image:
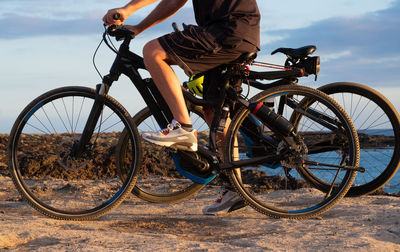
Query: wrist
x=140 y=28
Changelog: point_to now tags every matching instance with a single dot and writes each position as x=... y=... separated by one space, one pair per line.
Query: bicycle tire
x=279 y=189
x=158 y=180
x=53 y=181
x=374 y=117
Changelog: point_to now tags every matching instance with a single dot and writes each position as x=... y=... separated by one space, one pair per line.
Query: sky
x=47 y=44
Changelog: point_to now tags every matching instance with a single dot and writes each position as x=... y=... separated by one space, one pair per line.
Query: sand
x=368 y=223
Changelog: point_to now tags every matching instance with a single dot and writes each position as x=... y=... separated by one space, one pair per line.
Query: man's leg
x=179 y=132
x=158 y=63
x=228 y=200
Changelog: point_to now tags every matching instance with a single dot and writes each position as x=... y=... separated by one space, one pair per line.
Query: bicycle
x=283 y=140
x=378 y=126
x=372 y=114
x=374 y=118
x=377 y=123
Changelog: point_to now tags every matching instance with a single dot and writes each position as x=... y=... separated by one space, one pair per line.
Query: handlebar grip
x=116 y=16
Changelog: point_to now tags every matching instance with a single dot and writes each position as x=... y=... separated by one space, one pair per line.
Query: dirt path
x=370 y=223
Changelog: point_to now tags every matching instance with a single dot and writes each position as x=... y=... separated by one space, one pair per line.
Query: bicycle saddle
x=298 y=53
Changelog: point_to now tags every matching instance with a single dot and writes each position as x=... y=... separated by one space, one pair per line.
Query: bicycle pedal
x=184 y=147
x=190 y=170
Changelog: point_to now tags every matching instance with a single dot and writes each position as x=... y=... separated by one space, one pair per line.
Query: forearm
x=135 y=5
x=163 y=11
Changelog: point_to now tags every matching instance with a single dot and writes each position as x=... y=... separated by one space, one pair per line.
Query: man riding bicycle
x=225 y=30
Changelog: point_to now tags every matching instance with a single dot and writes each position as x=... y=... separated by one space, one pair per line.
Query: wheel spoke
x=58 y=182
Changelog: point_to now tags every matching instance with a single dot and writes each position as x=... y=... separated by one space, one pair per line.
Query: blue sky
x=48 y=44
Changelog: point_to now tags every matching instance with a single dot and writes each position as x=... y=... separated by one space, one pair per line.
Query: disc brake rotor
x=64 y=157
x=299 y=154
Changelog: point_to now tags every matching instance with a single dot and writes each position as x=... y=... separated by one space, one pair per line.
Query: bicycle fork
x=95 y=113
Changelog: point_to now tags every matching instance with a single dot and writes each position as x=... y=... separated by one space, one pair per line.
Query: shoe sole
x=234 y=207
x=180 y=146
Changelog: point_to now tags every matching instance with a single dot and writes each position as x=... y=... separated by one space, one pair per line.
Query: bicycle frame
x=128 y=63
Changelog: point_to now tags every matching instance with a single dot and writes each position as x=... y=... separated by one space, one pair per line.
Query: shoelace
x=167 y=130
x=170 y=126
x=221 y=195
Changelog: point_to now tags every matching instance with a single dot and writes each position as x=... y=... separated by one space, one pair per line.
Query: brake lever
x=119 y=32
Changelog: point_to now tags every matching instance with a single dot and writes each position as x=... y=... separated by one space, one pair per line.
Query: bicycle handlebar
x=119 y=31
x=116 y=16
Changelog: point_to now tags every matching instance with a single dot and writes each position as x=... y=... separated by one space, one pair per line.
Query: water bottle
x=274 y=121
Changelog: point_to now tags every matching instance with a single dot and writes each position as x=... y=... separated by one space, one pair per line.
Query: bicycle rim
x=49 y=177
x=158 y=180
x=278 y=188
x=378 y=127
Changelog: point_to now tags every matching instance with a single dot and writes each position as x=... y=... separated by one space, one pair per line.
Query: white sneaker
x=227 y=201
x=174 y=136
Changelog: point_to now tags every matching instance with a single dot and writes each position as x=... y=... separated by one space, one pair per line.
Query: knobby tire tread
x=313 y=213
x=14 y=172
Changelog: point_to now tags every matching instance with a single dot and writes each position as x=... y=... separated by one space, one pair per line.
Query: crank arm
x=252 y=161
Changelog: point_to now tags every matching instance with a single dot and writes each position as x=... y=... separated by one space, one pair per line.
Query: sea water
x=374 y=158
x=393 y=186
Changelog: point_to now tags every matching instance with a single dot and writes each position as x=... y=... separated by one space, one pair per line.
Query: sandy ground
x=369 y=223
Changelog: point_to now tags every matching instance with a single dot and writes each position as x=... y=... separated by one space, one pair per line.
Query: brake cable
x=94 y=57
x=107 y=40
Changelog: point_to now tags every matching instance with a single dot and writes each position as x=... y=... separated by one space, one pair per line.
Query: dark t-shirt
x=231 y=21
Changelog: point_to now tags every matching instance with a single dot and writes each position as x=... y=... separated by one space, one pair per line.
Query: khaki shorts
x=195 y=50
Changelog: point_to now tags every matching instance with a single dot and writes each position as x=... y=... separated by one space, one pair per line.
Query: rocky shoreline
x=152 y=164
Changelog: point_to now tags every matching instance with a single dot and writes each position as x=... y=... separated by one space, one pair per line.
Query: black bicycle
x=96 y=150
x=375 y=118
x=378 y=126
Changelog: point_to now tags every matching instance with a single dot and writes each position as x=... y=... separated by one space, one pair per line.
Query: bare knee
x=152 y=52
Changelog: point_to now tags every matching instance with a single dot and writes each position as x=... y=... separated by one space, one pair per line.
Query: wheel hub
x=299 y=151
x=65 y=158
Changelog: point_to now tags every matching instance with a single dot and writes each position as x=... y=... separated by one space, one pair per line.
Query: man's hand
x=134 y=28
x=108 y=19
x=164 y=10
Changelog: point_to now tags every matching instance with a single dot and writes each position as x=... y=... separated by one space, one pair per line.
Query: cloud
x=365 y=45
x=364 y=48
x=16 y=26
x=375 y=32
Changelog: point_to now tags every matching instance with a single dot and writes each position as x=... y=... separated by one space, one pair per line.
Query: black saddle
x=297 y=53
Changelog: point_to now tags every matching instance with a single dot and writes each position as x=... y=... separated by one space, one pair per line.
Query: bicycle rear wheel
x=52 y=180
x=378 y=127
x=158 y=179
x=276 y=187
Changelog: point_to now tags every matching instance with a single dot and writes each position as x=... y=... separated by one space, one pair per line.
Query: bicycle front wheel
x=44 y=170
x=378 y=126
x=276 y=186
x=159 y=180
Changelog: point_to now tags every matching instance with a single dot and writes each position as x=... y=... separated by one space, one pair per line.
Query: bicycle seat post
x=221 y=111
